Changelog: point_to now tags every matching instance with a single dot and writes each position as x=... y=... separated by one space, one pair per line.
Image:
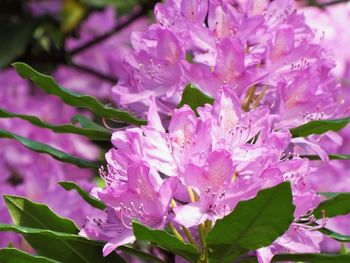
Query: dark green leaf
x=166 y=241
x=57 y=238
x=96 y=133
x=319 y=258
x=253 y=224
x=194 y=98
x=339 y=204
x=49 y=85
x=14 y=39
x=331 y=157
x=86 y=196
x=44 y=148
x=87 y=123
x=319 y=127
x=12 y=255
x=139 y=254
x=336 y=236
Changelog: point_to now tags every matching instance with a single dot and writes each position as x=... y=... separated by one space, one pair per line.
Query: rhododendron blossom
x=222 y=157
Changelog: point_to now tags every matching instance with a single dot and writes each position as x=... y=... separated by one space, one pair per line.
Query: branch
x=93 y=72
x=120 y=26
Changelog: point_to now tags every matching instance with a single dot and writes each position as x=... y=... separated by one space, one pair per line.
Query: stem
x=175 y=232
x=121 y=25
x=260 y=97
x=189 y=236
x=93 y=72
x=249 y=98
x=185 y=229
x=193 y=197
x=204 y=254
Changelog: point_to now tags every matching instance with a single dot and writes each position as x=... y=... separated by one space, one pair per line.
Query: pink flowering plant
x=227 y=142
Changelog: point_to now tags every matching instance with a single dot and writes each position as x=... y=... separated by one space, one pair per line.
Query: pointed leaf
x=97 y=133
x=166 y=241
x=331 y=157
x=49 y=85
x=44 y=148
x=194 y=98
x=64 y=246
x=12 y=255
x=253 y=224
x=319 y=258
x=319 y=127
x=334 y=235
x=86 y=196
x=338 y=204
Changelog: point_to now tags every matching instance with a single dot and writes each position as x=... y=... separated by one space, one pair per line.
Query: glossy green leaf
x=317 y=258
x=57 y=238
x=194 y=98
x=94 y=133
x=12 y=255
x=49 y=85
x=339 y=204
x=319 y=127
x=87 y=123
x=166 y=241
x=44 y=148
x=14 y=39
x=253 y=224
x=334 y=235
x=331 y=157
x=86 y=196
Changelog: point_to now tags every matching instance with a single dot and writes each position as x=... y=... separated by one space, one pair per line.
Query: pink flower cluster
x=266 y=71
x=197 y=171
x=264 y=50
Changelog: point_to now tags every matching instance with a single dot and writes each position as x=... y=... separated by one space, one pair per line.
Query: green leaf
x=49 y=85
x=43 y=232
x=319 y=258
x=44 y=148
x=334 y=235
x=194 y=98
x=14 y=39
x=86 y=196
x=331 y=157
x=87 y=123
x=12 y=255
x=94 y=133
x=139 y=254
x=57 y=237
x=339 y=204
x=253 y=224
x=72 y=14
x=319 y=127
x=166 y=241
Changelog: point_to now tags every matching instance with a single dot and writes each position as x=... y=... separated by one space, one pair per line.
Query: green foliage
x=14 y=39
x=49 y=85
x=166 y=241
x=319 y=127
x=330 y=156
x=86 y=196
x=319 y=258
x=253 y=224
x=91 y=130
x=53 y=236
x=338 y=204
x=194 y=98
x=336 y=236
x=44 y=148
x=12 y=255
